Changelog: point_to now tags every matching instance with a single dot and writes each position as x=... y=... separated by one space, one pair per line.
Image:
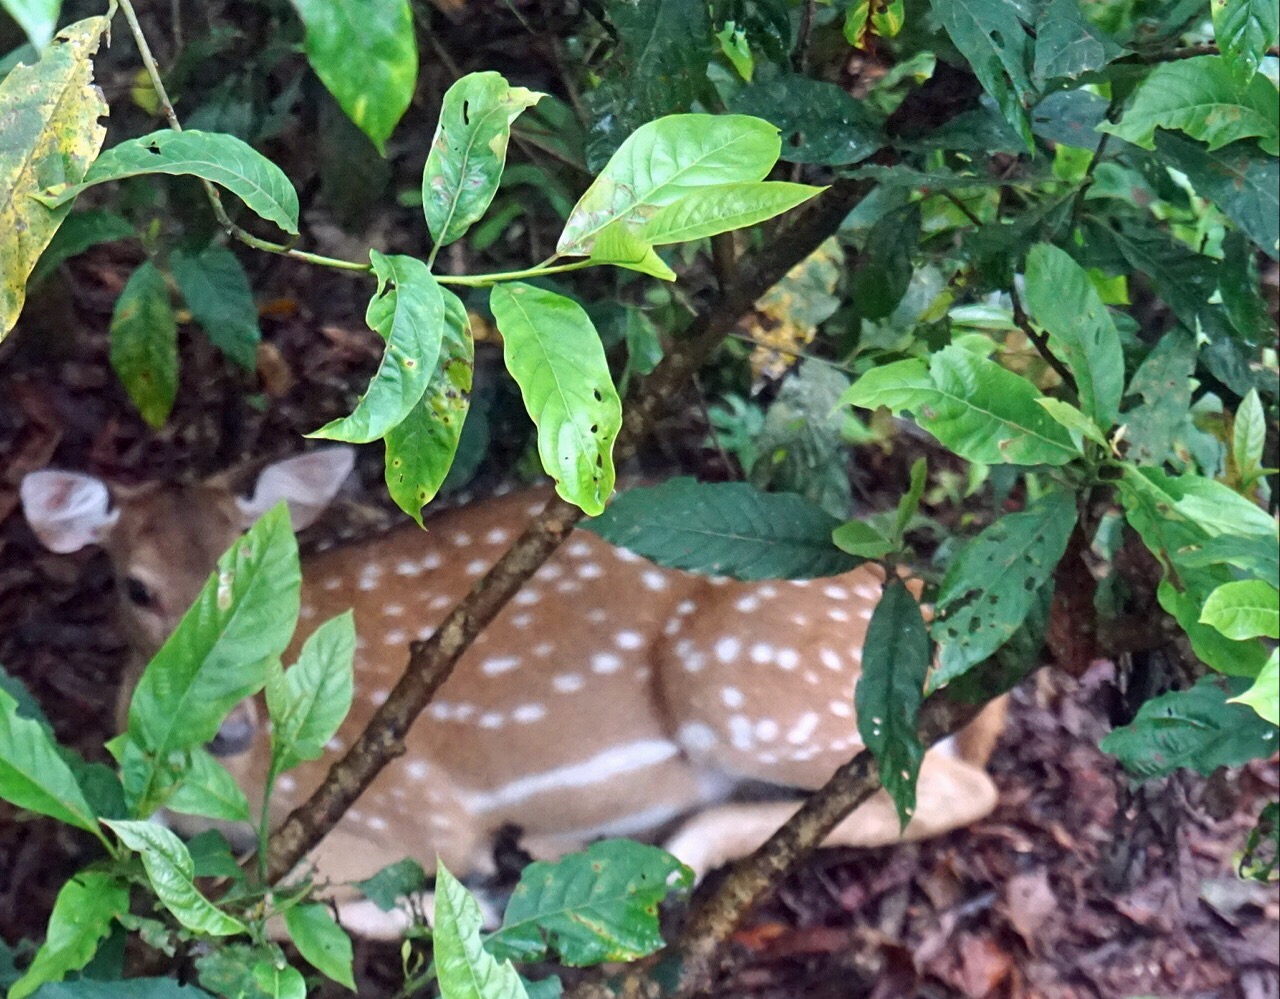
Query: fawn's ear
x=307 y=483
x=67 y=510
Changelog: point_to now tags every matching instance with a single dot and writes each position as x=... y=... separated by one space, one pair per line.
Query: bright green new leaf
x=590 y=907
x=895 y=661
x=1258 y=561
x=619 y=245
x=218 y=158
x=81 y=919
x=1264 y=695
x=144 y=343
x=407 y=311
x=1075 y=422
x=420 y=449
x=663 y=161
x=279 y=980
x=1249 y=436
x=725 y=528
x=555 y=356
x=365 y=53
x=208 y=789
x=464 y=969
x=33 y=774
x=991 y=586
x=713 y=210
x=321 y=941
x=308 y=701
x=1226 y=655
x=216 y=290
x=172 y=876
x=469 y=151
x=37 y=18
x=976 y=408
x=736 y=48
x=862 y=540
x=910 y=502
x=1245 y=30
x=51 y=132
x=1204 y=97
x=1246 y=608
x=1062 y=299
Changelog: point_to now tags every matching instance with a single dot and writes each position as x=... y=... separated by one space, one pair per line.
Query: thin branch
x=431 y=661
x=1041 y=342
x=964 y=209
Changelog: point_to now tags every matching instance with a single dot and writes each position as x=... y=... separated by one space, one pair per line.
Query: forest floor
x=1074 y=887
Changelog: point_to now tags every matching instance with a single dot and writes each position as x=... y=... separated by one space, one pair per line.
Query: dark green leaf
x=79 y=232
x=394 y=882
x=144 y=344
x=134 y=988
x=1163 y=381
x=321 y=941
x=1067 y=45
x=216 y=290
x=644 y=347
x=1260 y=860
x=884 y=272
x=729 y=529
x=820 y=122
x=1241 y=292
x=1245 y=30
x=1070 y=118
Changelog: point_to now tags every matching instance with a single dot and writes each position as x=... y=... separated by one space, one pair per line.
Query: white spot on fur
x=696 y=737
x=732 y=697
x=605 y=663
x=408 y=568
x=788 y=658
x=800 y=733
x=727 y=649
x=527 y=714
x=499 y=665
x=568 y=683
x=497 y=536
x=628 y=640
x=654 y=580
x=526 y=597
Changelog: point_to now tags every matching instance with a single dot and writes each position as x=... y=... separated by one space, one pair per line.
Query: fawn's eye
x=137 y=592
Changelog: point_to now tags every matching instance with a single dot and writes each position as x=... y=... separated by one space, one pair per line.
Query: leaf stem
x=483 y=280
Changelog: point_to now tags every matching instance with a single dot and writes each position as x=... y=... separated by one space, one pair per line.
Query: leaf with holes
x=216 y=290
x=1244 y=608
x=819 y=121
x=990 y=587
x=421 y=448
x=82 y=917
x=208 y=789
x=1204 y=97
x=1199 y=729
x=144 y=344
x=1245 y=30
x=1067 y=45
x=1163 y=382
x=1264 y=695
x=365 y=53
x=976 y=408
x=726 y=528
x=407 y=311
x=663 y=161
x=590 y=907
x=51 y=135
x=321 y=941
x=895 y=661
x=33 y=774
x=464 y=969
x=1062 y=299
x=172 y=875
x=218 y=158
x=469 y=151
x=555 y=356
x=220 y=652
x=308 y=701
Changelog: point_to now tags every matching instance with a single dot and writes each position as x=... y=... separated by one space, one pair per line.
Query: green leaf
x=1163 y=381
x=33 y=774
x=1205 y=98
x=421 y=448
x=1199 y=729
x=144 y=344
x=469 y=151
x=1241 y=290
x=991 y=586
x=1246 y=608
x=665 y=160
x=644 y=345
x=861 y=540
x=172 y=876
x=216 y=157
x=976 y=408
x=1264 y=695
x=734 y=45
x=709 y=211
x=1249 y=436
x=1062 y=299
x=1259 y=561
x=321 y=942
x=279 y=980
x=463 y=968
x=910 y=502
x=555 y=355
x=400 y=880
x=821 y=122
x=407 y=311
x=134 y=988
x=590 y=907
x=618 y=244
x=884 y=272
x=1260 y=858
x=220 y=652
x=51 y=135
x=726 y=528
x=895 y=661
x=1075 y=422
x=365 y=53
x=79 y=232
x=998 y=49
x=1067 y=45
x=1245 y=30
x=216 y=290
x=37 y=18
x=81 y=919
x=308 y=702
x=208 y=789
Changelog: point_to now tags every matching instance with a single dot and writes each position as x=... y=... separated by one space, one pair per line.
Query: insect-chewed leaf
x=555 y=355
x=1198 y=728
x=81 y=919
x=321 y=941
x=589 y=907
x=727 y=528
x=216 y=290
x=464 y=968
x=407 y=311
x=308 y=701
x=365 y=54
x=661 y=162
x=1163 y=382
x=469 y=151
x=1067 y=45
x=218 y=158
x=421 y=448
x=991 y=585
x=33 y=775
x=51 y=134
